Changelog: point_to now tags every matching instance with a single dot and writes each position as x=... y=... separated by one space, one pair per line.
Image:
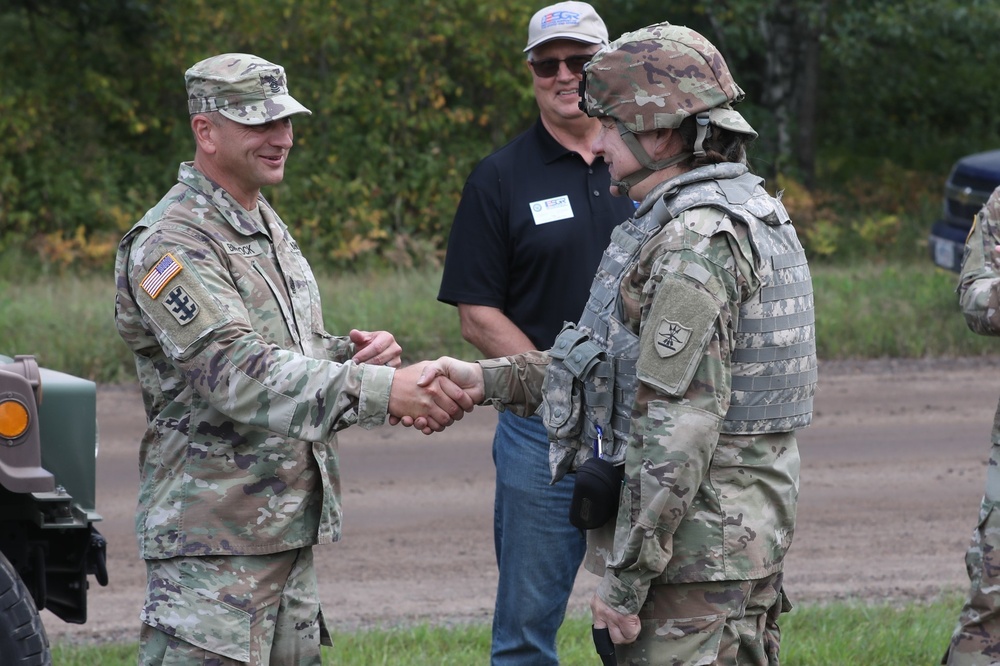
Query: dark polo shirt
x=529 y=232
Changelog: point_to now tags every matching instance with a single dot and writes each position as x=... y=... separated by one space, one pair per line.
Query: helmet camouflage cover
x=655 y=77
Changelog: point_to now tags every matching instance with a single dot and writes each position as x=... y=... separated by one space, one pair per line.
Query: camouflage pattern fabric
x=657 y=76
x=243 y=388
x=697 y=505
x=731 y=622
x=242 y=87
x=223 y=611
x=976 y=641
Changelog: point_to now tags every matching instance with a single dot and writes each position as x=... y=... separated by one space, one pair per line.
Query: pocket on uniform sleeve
x=194 y=618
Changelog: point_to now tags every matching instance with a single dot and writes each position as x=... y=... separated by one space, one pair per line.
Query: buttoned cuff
x=496 y=381
x=373 y=400
x=619 y=594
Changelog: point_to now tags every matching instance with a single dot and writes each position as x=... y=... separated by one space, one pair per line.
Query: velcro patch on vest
x=672 y=345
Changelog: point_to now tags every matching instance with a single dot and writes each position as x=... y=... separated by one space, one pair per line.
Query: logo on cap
x=553 y=19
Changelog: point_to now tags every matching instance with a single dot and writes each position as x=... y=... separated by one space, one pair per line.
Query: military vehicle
x=48 y=543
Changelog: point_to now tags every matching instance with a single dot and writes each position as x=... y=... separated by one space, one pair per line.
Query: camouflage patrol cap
x=242 y=87
x=655 y=77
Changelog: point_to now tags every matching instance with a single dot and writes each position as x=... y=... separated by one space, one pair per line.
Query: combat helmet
x=654 y=78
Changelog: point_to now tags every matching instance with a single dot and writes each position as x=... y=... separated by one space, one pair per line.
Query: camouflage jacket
x=243 y=389
x=697 y=505
x=979 y=284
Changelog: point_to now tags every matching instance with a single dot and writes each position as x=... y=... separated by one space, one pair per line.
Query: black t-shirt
x=529 y=232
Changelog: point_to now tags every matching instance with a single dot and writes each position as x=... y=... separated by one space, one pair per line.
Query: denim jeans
x=538 y=550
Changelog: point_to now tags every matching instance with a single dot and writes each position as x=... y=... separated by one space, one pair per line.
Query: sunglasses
x=549 y=67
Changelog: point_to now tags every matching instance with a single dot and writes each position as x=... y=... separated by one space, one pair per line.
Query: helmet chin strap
x=647 y=162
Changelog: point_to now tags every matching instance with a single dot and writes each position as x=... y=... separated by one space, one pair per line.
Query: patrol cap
x=566 y=20
x=242 y=87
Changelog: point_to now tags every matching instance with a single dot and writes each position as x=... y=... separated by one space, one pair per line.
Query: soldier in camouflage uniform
x=243 y=389
x=976 y=641
x=692 y=365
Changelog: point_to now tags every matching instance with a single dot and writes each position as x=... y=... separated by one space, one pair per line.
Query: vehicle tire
x=22 y=637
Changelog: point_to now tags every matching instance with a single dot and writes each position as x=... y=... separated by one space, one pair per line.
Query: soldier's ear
x=204 y=136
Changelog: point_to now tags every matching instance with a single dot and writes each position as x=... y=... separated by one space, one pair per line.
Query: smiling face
x=243 y=158
x=558 y=96
x=620 y=160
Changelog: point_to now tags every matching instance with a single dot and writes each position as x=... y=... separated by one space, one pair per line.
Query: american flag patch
x=162 y=273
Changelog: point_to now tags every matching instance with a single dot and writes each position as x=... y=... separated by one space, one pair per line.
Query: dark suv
x=970 y=184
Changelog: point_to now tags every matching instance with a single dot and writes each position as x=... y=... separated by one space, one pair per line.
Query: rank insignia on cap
x=671 y=338
x=162 y=273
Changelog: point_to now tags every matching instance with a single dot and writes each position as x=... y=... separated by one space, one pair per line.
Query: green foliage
x=408 y=96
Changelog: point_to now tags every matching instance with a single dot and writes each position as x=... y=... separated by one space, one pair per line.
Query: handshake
x=431 y=395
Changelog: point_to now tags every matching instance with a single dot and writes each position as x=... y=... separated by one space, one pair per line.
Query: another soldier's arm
x=684 y=371
x=512 y=382
x=979 y=284
x=203 y=326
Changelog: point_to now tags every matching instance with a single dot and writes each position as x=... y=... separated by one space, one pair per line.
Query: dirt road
x=892 y=474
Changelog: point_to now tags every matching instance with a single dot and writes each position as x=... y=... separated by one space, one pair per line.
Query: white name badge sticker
x=550 y=210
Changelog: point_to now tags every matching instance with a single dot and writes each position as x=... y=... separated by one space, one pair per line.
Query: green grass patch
x=894 y=310
x=870 y=310
x=837 y=634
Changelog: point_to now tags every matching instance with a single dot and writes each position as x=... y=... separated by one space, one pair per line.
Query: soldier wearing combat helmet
x=691 y=367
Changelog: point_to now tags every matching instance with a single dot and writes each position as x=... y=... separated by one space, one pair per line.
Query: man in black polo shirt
x=533 y=221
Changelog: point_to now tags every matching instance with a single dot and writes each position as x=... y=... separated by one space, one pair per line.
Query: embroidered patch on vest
x=671 y=338
x=183 y=308
x=162 y=273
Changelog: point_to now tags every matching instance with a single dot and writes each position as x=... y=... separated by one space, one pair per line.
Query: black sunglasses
x=549 y=67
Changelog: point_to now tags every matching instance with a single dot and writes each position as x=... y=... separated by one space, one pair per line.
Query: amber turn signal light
x=13 y=418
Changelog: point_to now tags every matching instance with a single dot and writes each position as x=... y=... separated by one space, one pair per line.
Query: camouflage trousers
x=220 y=611
x=976 y=641
x=733 y=622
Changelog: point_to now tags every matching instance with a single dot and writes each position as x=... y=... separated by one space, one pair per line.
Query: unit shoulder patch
x=180 y=305
x=671 y=338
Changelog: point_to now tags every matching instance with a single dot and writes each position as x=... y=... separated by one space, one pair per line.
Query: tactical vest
x=773 y=360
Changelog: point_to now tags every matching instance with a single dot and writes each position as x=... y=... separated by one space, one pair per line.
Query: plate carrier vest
x=774 y=367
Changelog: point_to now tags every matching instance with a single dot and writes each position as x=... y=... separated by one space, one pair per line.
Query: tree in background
x=408 y=94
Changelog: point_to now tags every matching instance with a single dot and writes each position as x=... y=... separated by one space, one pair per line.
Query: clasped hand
x=431 y=395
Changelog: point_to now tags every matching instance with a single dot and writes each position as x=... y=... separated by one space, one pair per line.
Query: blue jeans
x=538 y=550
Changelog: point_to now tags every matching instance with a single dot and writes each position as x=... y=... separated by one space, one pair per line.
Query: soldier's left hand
x=623 y=628
x=376 y=348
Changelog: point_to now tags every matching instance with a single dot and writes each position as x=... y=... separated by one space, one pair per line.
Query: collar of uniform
x=722 y=171
x=227 y=206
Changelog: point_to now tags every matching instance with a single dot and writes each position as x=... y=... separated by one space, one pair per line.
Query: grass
x=845 y=633
x=868 y=310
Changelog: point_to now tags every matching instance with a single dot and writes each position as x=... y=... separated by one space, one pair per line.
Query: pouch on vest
x=595 y=493
x=573 y=355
